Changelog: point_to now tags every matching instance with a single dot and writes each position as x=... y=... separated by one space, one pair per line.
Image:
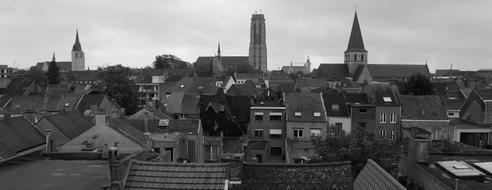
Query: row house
x=266 y=131
x=452 y=97
x=388 y=109
x=339 y=111
x=474 y=125
x=305 y=121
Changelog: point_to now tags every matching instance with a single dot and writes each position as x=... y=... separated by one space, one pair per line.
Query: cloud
x=132 y=33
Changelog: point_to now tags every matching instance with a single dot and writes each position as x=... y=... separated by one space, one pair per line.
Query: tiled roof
x=186 y=126
x=246 y=89
x=485 y=94
x=427 y=107
x=63 y=66
x=17 y=86
x=332 y=71
x=396 y=70
x=312 y=83
x=129 y=131
x=373 y=177
x=193 y=85
x=451 y=95
x=182 y=103
x=341 y=100
x=334 y=175
x=18 y=134
x=71 y=123
x=163 y=175
x=377 y=92
x=20 y=104
x=88 y=100
x=190 y=104
x=307 y=104
x=278 y=75
x=227 y=61
x=92 y=75
x=285 y=87
x=155 y=113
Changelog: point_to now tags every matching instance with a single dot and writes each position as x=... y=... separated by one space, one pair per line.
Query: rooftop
x=163 y=175
x=422 y=107
x=54 y=175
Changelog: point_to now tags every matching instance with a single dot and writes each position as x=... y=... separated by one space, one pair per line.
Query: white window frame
x=393 y=118
x=311 y=134
x=387 y=99
x=298 y=114
x=335 y=107
x=317 y=114
x=382 y=132
x=382 y=118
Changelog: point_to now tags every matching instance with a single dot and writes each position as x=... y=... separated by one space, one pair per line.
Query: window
x=315 y=133
x=338 y=128
x=298 y=133
x=382 y=118
x=335 y=107
x=362 y=57
x=355 y=57
x=392 y=136
x=258 y=133
x=393 y=118
x=275 y=133
x=383 y=133
x=450 y=114
x=435 y=135
x=387 y=99
x=211 y=153
x=317 y=114
x=298 y=114
x=362 y=126
x=258 y=116
x=363 y=111
x=276 y=116
x=189 y=150
x=218 y=83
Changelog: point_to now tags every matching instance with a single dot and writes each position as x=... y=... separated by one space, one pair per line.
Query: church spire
x=54 y=59
x=218 y=49
x=355 y=42
x=77 y=46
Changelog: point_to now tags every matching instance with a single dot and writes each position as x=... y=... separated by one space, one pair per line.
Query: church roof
x=396 y=70
x=226 y=60
x=332 y=71
x=355 y=42
x=77 y=46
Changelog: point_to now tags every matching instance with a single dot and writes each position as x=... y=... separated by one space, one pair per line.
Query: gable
x=473 y=109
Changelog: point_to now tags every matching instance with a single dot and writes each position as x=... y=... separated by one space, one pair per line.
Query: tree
x=120 y=87
x=358 y=147
x=38 y=75
x=203 y=70
x=53 y=73
x=168 y=61
x=418 y=84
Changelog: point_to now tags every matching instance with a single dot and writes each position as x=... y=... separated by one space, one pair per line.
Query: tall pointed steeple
x=356 y=53
x=218 y=50
x=54 y=59
x=76 y=45
x=78 y=57
x=355 y=42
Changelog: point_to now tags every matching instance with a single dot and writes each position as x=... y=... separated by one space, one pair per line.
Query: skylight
x=317 y=114
x=387 y=99
x=298 y=114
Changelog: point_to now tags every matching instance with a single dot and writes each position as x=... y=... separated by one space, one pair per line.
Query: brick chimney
x=419 y=145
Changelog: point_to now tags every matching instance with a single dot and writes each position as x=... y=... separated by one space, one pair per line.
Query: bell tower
x=356 y=53
x=257 y=43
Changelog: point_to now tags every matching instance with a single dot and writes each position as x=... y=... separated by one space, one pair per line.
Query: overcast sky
x=132 y=32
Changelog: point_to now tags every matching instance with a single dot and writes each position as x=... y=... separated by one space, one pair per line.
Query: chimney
x=100 y=119
x=419 y=145
x=113 y=165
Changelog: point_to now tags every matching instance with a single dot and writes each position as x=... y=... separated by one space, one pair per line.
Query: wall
x=100 y=135
x=266 y=124
x=443 y=127
x=346 y=123
x=306 y=126
x=336 y=175
x=360 y=117
x=387 y=126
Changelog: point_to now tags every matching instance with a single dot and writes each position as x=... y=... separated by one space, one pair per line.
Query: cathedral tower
x=356 y=54
x=78 y=57
x=257 y=43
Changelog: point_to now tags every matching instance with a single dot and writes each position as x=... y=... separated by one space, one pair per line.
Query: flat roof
x=54 y=174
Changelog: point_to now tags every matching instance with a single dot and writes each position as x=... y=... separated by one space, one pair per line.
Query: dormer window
x=200 y=87
x=298 y=114
x=182 y=86
x=163 y=122
x=317 y=114
x=335 y=107
x=387 y=99
x=67 y=104
x=218 y=83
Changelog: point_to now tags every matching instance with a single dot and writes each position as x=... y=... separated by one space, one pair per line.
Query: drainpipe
x=47 y=133
x=456 y=184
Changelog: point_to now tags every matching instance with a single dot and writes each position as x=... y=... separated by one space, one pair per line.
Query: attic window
x=163 y=122
x=67 y=104
x=218 y=83
x=182 y=86
x=200 y=87
x=87 y=112
x=452 y=98
x=298 y=114
x=317 y=114
x=387 y=99
x=335 y=107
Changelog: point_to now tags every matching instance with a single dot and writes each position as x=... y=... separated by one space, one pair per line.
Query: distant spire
x=77 y=46
x=290 y=63
x=218 y=49
x=54 y=59
x=308 y=60
x=355 y=42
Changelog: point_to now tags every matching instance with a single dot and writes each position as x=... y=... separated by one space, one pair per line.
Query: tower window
x=355 y=57
x=362 y=57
